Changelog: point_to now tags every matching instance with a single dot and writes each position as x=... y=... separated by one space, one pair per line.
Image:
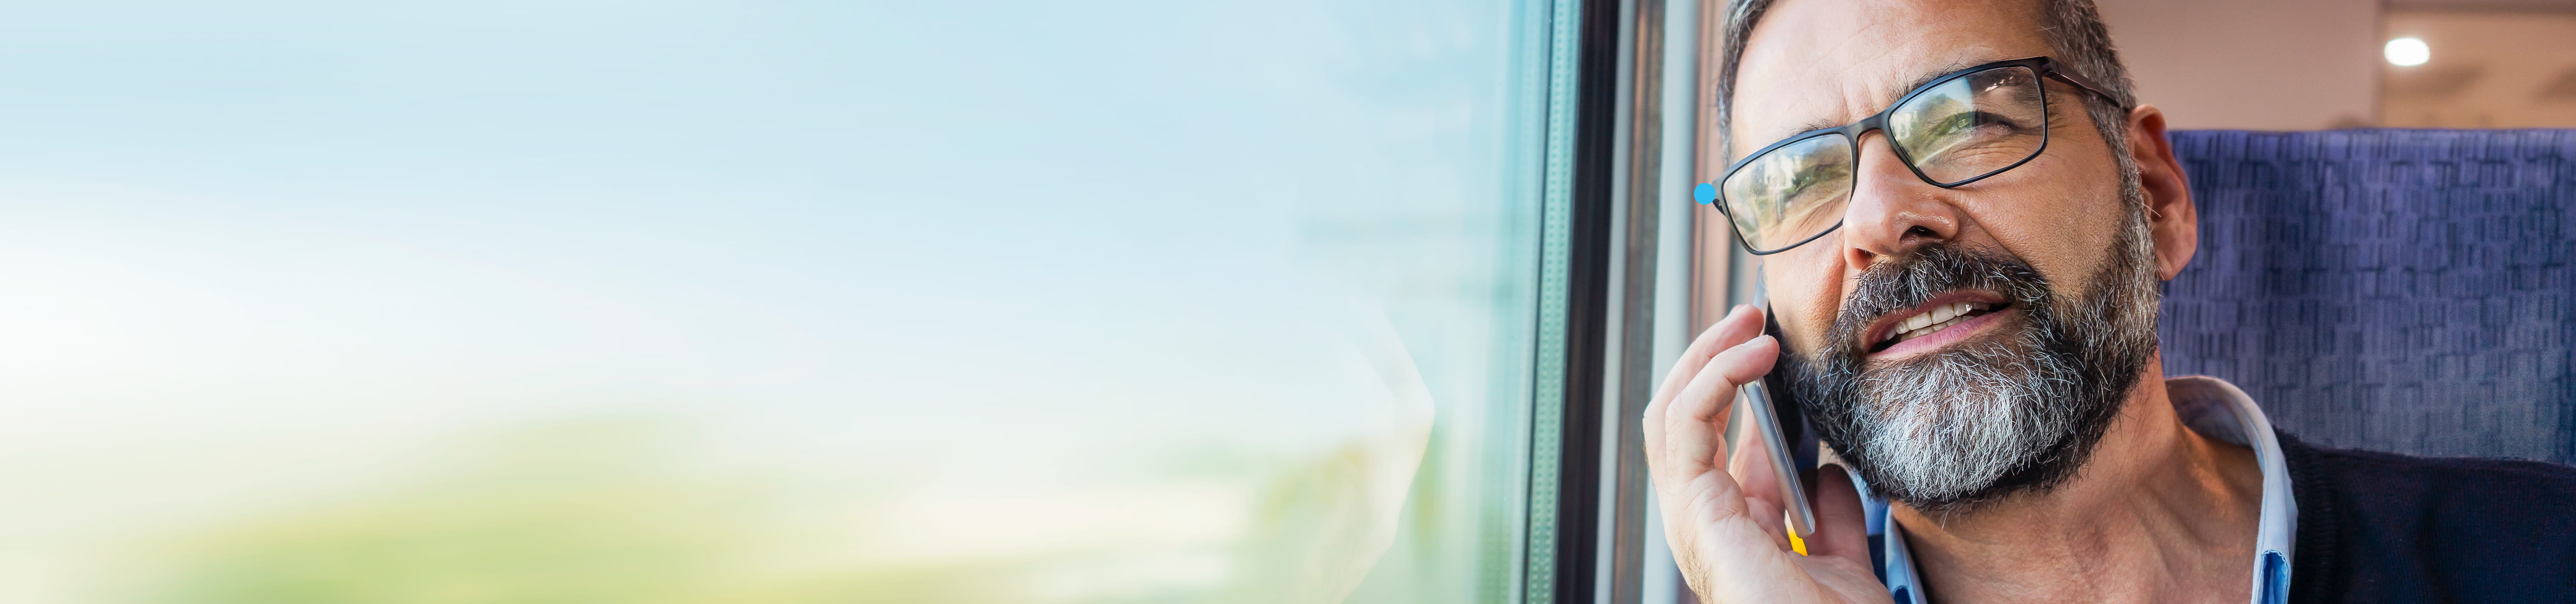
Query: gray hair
x=2076 y=38
x=1955 y=430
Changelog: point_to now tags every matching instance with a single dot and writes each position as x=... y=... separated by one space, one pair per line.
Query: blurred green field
x=610 y=511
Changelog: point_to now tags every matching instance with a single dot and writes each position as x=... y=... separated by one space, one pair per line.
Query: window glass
x=687 y=301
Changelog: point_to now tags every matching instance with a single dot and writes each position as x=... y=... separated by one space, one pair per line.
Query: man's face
x=2053 y=257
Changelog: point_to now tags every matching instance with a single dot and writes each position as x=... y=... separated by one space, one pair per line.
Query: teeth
x=1937 y=319
x=1926 y=330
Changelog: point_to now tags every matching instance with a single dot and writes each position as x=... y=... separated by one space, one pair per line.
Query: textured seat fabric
x=2392 y=290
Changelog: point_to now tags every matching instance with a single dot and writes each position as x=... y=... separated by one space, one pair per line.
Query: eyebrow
x=1919 y=82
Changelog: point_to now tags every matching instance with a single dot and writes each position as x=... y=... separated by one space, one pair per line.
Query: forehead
x=1816 y=63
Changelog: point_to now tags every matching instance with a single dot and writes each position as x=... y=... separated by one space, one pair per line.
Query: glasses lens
x=1972 y=126
x=1791 y=193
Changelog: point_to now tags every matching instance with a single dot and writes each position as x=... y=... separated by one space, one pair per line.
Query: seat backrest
x=2396 y=290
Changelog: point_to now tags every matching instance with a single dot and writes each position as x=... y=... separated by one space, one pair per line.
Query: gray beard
x=2017 y=410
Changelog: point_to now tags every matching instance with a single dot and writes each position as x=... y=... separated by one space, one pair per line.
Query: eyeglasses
x=1961 y=128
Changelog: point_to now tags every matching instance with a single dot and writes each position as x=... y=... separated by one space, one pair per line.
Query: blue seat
x=2396 y=290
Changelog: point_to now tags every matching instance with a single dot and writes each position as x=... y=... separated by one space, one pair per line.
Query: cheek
x=1806 y=290
x=2059 y=225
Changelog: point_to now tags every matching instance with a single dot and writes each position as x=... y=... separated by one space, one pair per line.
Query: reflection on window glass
x=552 y=301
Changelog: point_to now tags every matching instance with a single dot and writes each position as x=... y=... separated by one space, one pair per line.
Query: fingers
x=1692 y=420
x=1740 y=324
x=1699 y=411
x=1842 y=530
x=1741 y=364
x=1708 y=520
x=1728 y=332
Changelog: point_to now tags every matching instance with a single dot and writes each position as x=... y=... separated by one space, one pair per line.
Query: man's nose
x=1891 y=210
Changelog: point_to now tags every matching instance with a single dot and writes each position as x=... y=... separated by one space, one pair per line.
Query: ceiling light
x=2407 y=52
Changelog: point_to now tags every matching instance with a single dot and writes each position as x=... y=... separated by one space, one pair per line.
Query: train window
x=546 y=300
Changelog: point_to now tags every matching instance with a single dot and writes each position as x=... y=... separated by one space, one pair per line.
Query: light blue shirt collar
x=2213 y=408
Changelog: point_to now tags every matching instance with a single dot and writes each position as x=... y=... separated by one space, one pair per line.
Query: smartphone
x=1792 y=447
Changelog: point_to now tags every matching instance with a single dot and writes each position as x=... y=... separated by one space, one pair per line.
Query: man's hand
x=1727 y=536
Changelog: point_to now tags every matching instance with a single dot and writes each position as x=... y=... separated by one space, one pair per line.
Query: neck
x=2159 y=513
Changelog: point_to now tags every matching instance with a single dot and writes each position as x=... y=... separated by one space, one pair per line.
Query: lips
x=1942 y=312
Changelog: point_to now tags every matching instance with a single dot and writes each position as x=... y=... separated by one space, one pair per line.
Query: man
x=1963 y=218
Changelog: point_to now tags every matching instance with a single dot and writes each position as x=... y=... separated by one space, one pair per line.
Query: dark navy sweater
x=2381 y=527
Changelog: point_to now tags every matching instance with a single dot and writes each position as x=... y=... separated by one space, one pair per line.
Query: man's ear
x=2171 y=219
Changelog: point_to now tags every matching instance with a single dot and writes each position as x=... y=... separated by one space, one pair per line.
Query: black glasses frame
x=2045 y=67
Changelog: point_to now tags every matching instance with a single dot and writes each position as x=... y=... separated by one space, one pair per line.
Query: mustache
x=2019 y=411
x=1908 y=281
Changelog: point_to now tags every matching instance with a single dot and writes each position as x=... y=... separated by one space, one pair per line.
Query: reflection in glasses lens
x=1959 y=130
x=1971 y=126
x=1792 y=192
